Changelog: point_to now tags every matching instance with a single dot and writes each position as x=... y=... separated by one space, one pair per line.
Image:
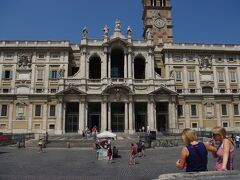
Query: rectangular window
x=233 y=77
x=52 y=126
x=40 y=74
x=236 y=109
x=4 y=110
x=41 y=55
x=7 y=74
x=9 y=55
x=192 y=90
x=222 y=90
x=3 y=126
x=225 y=124
x=180 y=110
x=191 y=77
x=6 y=90
x=178 y=76
x=193 y=110
x=52 y=110
x=38 y=110
x=179 y=91
x=224 y=110
x=53 y=74
x=221 y=77
x=55 y=55
x=194 y=125
x=39 y=90
x=53 y=90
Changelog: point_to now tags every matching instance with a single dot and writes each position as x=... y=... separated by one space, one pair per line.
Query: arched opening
x=207 y=89
x=139 y=68
x=117 y=63
x=95 y=68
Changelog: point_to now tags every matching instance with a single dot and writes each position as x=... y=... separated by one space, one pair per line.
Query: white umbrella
x=106 y=134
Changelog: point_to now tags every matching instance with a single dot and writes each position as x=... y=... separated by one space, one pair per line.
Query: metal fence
x=19 y=139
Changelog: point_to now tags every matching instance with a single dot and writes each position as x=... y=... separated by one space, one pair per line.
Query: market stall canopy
x=106 y=134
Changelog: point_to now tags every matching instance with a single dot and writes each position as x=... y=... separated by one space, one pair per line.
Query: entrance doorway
x=94 y=115
x=162 y=116
x=72 y=118
x=117 y=117
x=140 y=116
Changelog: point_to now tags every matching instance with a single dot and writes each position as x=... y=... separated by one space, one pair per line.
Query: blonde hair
x=189 y=135
x=220 y=131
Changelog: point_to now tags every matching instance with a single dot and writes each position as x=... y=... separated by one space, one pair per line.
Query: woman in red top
x=109 y=154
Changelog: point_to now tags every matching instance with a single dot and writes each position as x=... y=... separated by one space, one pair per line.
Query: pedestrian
x=139 y=148
x=45 y=139
x=40 y=144
x=225 y=152
x=133 y=153
x=237 y=138
x=98 y=150
x=109 y=154
x=115 y=152
x=194 y=155
x=143 y=148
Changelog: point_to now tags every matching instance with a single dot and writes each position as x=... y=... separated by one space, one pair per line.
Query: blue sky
x=202 y=21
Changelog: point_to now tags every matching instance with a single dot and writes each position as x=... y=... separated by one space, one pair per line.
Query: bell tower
x=157 y=21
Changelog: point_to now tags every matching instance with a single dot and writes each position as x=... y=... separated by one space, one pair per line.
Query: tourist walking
x=225 y=151
x=237 y=138
x=194 y=155
x=133 y=153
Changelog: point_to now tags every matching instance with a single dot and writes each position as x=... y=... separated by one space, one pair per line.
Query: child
x=40 y=144
x=109 y=154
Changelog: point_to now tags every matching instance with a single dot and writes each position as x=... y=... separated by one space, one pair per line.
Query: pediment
x=163 y=90
x=69 y=91
x=117 y=40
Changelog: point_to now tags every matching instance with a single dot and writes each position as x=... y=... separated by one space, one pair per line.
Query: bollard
x=68 y=144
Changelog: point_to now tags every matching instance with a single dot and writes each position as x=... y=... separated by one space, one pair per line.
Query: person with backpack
x=133 y=153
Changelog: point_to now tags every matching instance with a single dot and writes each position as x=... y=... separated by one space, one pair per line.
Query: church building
x=118 y=83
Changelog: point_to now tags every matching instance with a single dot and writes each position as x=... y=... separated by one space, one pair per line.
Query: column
x=130 y=65
x=150 y=115
x=170 y=115
x=126 y=117
x=231 y=115
x=63 y=117
x=104 y=66
x=198 y=79
x=185 y=78
x=81 y=117
x=125 y=66
x=10 y=117
x=109 y=65
x=44 y=123
x=103 y=116
x=227 y=79
x=109 y=117
x=83 y=65
x=215 y=77
x=86 y=114
x=59 y=118
x=238 y=76
x=131 y=118
x=201 y=115
x=218 y=115
x=30 y=115
x=187 y=115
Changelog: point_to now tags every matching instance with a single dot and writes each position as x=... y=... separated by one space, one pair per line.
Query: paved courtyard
x=28 y=164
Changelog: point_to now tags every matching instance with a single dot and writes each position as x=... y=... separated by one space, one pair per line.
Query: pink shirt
x=219 y=162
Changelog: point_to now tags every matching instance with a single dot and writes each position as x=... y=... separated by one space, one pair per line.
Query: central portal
x=117 y=117
x=72 y=117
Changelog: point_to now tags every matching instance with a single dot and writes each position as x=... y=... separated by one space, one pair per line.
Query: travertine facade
x=118 y=83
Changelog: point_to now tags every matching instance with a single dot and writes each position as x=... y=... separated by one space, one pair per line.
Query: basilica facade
x=120 y=84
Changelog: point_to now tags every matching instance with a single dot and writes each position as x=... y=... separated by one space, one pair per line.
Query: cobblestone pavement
x=74 y=164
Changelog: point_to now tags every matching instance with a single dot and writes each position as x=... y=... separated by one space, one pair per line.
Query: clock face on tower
x=159 y=23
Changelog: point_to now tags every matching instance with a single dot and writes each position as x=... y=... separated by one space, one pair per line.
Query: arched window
x=162 y=3
x=139 y=68
x=95 y=68
x=117 y=63
x=207 y=90
x=153 y=2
